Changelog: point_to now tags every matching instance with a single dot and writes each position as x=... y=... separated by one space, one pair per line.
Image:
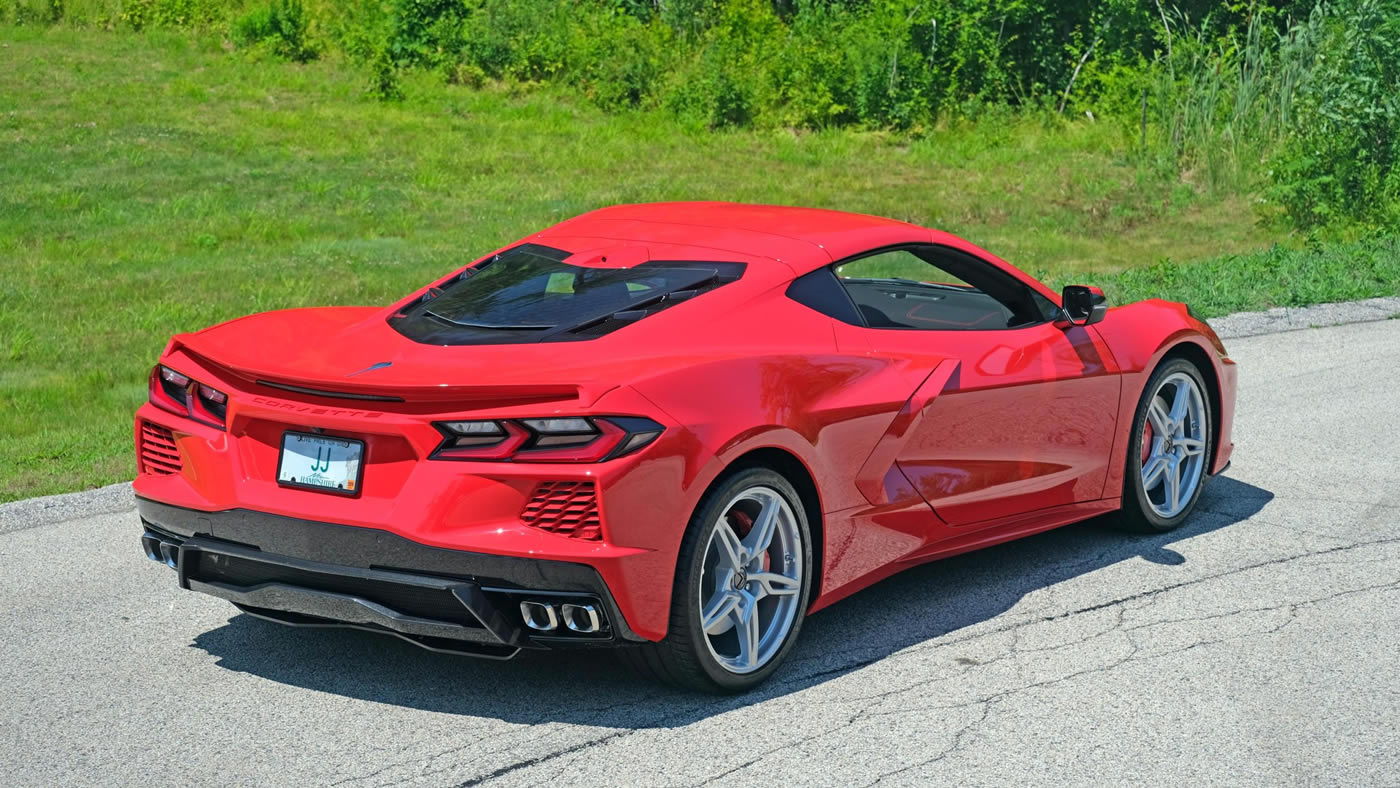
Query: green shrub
x=279 y=26
x=1340 y=165
x=711 y=94
x=359 y=28
x=384 y=78
x=36 y=12
x=726 y=81
x=871 y=67
x=689 y=17
x=141 y=14
x=616 y=59
x=425 y=32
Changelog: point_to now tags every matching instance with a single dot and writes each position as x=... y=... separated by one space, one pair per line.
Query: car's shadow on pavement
x=594 y=688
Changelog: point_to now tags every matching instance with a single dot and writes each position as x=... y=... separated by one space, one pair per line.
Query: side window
x=1048 y=310
x=935 y=288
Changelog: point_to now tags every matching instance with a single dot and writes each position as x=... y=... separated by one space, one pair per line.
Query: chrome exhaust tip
x=581 y=618
x=539 y=616
x=170 y=553
x=150 y=545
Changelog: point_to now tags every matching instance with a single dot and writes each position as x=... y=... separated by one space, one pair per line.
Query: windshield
x=528 y=294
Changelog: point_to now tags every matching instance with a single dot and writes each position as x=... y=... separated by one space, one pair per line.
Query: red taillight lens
x=170 y=390
x=480 y=444
x=179 y=394
x=573 y=447
x=572 y=439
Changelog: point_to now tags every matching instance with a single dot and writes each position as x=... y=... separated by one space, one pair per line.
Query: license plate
x=318 y=462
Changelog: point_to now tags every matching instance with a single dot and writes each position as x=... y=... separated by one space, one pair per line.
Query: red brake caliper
x=742 y=524
x=1146 y=440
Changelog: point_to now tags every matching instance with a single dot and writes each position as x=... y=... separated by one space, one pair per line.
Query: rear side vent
x=158 y=452
x=565 y=508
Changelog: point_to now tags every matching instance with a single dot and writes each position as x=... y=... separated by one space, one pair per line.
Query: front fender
x=1140 y=336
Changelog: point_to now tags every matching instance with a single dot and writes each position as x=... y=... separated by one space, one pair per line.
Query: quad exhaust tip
x=581 y=618
x=539 y=616
x=546 y=617
x=151 y=547
x=160 y=551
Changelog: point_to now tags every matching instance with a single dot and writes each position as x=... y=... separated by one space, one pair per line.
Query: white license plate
x=321 y=463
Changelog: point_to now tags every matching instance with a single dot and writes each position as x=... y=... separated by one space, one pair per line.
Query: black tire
x=683 y=659
x=1137 y=513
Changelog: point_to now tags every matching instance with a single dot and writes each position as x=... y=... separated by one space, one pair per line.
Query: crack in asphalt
x=987 y=702
x=542 y=720
x=958 y=739
x=1120 y=605
x=937 y=641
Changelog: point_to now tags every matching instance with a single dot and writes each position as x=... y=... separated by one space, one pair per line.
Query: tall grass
x=1218 y=106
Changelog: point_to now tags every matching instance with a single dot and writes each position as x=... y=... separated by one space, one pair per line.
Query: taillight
x=170 y=390
x=479 y=440
x=571 y=439
x=209 y=404
x=183 y=396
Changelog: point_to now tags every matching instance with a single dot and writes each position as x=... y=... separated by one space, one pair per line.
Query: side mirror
x=1083 y=305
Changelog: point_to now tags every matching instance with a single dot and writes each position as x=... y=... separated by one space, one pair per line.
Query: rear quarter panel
x=775 y=377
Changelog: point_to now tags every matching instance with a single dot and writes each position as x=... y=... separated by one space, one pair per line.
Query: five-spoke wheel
x=742 y=587
x=1167 y=461
x=751 y=580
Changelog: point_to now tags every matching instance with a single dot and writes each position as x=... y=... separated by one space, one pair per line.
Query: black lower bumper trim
x=308 y=573
x=443 y=645
x=453 y=609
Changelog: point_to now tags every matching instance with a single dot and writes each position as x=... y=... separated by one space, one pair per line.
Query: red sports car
x=676 y=429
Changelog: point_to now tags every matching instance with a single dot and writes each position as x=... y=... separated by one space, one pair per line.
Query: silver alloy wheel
x=751 y=580
x=1174 y=445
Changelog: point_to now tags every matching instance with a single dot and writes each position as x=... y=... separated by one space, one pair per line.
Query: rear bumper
x=309 y=573
x=641 y=501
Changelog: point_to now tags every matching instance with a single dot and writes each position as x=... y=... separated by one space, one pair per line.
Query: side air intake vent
x=159 y=454
x=565 y=508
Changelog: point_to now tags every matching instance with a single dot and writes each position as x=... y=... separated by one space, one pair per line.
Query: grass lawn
x=153 y=183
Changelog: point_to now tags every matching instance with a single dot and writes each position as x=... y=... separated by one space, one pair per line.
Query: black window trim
x=911 y=245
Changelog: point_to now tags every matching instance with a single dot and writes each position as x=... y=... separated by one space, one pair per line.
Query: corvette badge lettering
x=315 y=410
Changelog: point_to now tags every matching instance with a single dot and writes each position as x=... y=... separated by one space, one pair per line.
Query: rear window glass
x=528 y=294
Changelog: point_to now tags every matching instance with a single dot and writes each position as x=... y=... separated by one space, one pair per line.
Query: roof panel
x=804 y=238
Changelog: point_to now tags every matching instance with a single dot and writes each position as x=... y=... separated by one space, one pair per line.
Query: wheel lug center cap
x=741 y=579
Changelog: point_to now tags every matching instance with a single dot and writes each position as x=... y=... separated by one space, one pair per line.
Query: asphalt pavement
x=1257 y=645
